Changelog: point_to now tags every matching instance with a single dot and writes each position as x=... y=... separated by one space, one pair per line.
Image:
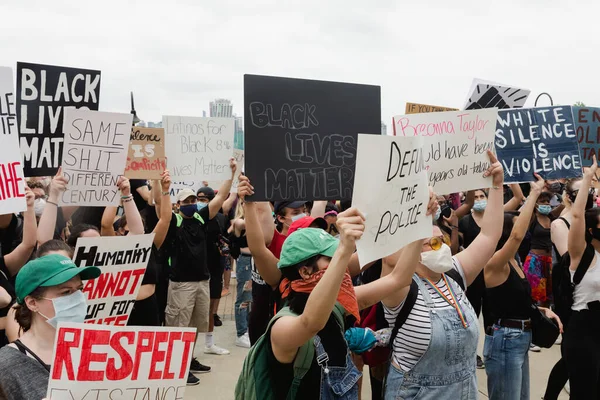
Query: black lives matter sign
x=43 y=94
x=301 y=136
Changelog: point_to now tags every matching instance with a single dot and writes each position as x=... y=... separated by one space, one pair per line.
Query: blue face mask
x=480 y=205
x=201 y=205
x=544 y=209
x=437 y=214
x=71 y=308
x=188 y=210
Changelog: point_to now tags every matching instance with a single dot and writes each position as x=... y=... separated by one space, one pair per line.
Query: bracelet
x=126 y=197
x=125 y=200
x=51 y=202
x=166 y=193
x=454 y=226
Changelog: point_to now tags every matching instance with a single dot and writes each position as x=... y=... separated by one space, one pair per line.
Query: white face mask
x=297 y=217
x=38 y=206
x=439 y=261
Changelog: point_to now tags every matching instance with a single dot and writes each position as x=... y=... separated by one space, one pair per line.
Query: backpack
x=254 y=382
x=179 y=222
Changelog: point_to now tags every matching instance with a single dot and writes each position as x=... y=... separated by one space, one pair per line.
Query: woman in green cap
x=48 y=292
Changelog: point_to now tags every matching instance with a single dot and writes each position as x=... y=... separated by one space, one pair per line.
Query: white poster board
x=94 y=156
x=455 y=146
x=126 y=363
x=123 y=261
x=12 y=180
x=178 y=186
x=392 y=193
x=198 y=148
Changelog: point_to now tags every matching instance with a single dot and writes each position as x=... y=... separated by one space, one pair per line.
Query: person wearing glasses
x=508 y=295
x=433 y=354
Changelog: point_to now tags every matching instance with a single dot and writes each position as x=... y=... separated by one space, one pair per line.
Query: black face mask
x=596 y=233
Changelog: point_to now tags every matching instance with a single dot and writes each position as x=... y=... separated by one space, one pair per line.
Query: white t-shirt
x=588 y=289
x=413 y=337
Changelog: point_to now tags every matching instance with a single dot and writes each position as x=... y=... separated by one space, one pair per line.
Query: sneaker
x=225 y=292
x=195 y=366
x=534 y=348
x=568 y=387
x=192 y=380
x=558 y=340
x=243 y=341
x=480 y=363
x=215 y=350
x=217 y=320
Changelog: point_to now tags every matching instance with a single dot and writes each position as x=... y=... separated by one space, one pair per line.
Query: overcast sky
x=178 y=55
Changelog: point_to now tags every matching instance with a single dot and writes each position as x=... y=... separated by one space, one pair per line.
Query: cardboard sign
x=44 y=92
x=125 y=363
x=415 y=108
x=12 y=180
x=399 y=176
x=199 y=148
x=123 y=261
x=486 y=94
x=95 y=153
x=455 y=146
x=300 y=136
x=541 y=140
x=587 y=125
x=146 y=156
x=178 y=186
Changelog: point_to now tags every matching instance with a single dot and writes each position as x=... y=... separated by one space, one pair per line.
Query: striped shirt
x=413 y=337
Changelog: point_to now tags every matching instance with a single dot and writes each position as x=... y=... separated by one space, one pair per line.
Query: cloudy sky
x=178 y=55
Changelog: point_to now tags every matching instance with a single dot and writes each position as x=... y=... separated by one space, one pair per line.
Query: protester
x=48 y=292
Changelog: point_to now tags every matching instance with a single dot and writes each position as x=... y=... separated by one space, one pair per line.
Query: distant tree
x=579 y=104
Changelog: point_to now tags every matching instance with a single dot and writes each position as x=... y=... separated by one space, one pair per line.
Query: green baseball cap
x=50 y=270
x=306 y=243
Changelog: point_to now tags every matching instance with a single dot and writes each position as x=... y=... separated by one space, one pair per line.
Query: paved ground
x=220 y=383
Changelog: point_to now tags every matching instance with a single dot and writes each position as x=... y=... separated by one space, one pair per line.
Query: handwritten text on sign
x=146 y=157
x=199 y=148
x=415 y=108
x=455 y=145
x=125 y=363
x=123 y=262
x=44 y=93
x=537 y=140
x=587 y=125
x=94 y=156
x=12 y=186
x=397 y=175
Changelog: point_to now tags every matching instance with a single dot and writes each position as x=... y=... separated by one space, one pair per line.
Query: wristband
x=51 y=202
x=166 y=193
x=125 y=200
x=127 y=197
x=454 y=226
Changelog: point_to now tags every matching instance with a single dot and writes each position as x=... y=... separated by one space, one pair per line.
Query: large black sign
x=301 y=136
x=43 y=93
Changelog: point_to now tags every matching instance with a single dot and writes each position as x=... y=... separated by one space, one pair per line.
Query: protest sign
x=44 y=92
x=587 y=125
x=94 y=156
x=125 y=363
x=198 y=148
x=12 y=183
x=300 y=136
x=398 y=175
x=415 y=108
x=178 y=186
x=486 y=94
x=455 y=145
x=541 y=140
x=123 y=261
x=146 y=156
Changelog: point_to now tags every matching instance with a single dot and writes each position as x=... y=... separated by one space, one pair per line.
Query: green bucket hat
x=50 y=270
x=306 y=243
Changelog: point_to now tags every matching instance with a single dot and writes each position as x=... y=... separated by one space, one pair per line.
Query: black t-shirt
x=135 y=184
x=188 y=249
x=11 y=236
x=6 y=283
x=215 y=227
x=145 y=312
x=469 y=228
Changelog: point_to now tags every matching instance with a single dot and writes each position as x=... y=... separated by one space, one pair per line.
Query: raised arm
x=517 y=199
x=20 y=255
x=453 y=223
x=289 y=333
x=47 y=224
x=474 y=257
x=577 y=242
x=217 y=203
x=263 y=210
x=107 y=227
x=559 y=233
x=500 y=258
x=465 y=208
x=162 y=227
x=228 y=204
x=318 y=209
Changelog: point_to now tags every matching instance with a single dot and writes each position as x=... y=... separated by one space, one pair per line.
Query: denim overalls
x=447 y=369
x=337 y=382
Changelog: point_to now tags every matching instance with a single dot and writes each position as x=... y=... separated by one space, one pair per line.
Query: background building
x=221 y=108
x=383 y=128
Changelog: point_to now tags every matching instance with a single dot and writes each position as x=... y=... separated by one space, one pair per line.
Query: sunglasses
x=435 y=242
x=590 y=191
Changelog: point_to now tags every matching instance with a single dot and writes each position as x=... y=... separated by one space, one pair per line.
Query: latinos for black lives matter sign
x=455 y=146
x=125 y=363
x=199 y=148
x=12 y=182
x=123 y=261
x=587 y=124
x=44 y=92
x=146 y=156
x=95 y=153
x=541 y=140
x=300 y=136
x=393 y=194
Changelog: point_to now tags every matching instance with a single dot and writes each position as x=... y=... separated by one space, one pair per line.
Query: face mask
x=439 y=261
x=201 y=205
x=544 y=209
x=480 y=205
x=596 y=233
x=437 y=214
x=71 y=308
x=38 y=206
x=297 y=217
x=188 y=210
x=555 y=187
